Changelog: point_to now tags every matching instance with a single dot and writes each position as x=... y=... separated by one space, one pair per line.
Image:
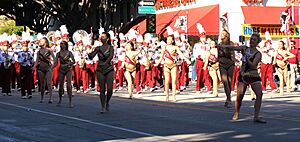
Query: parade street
x=194 y=117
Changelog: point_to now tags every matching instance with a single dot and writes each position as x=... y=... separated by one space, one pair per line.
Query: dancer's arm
x=206 y=60
x=181 y=55
x=257 y=59
x=290 y=55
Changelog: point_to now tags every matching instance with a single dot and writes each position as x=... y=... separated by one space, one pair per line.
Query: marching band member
x=129 y=65
x=25 y=58
x=199 y=52
x=169 y=53
x=6 y=61
x=120 y=56
x=293 y=65
x=80 y=65
x=67 y=60
x=184 y=78
x=281 y=57
x=157 y=71
x=15 y=48
x=267 y=64
x=89 y=77
x=105 y=70
x=43 y=64
x=237 y=68
x=55 y=49
x=212 y=62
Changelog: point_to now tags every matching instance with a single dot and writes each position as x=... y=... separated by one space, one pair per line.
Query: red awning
x=207 y=16
x=256 y=15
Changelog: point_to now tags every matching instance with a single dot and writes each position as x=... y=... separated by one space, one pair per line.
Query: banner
x=274 y=30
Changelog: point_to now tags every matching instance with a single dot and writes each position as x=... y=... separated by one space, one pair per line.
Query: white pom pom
x=170 y=30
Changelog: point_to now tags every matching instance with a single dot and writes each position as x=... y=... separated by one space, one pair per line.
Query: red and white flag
x=286 y=20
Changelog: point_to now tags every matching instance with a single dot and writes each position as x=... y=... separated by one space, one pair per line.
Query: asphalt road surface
x=195 y=117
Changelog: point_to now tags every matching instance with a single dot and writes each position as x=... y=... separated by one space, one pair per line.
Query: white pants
x=292 y=75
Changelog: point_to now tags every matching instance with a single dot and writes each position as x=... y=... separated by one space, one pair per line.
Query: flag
x=181 y=23
x=286 y=20
x=224 y=21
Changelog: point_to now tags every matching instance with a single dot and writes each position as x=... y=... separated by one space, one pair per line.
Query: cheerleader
x=129 y=65
x=43 y=65
x=67 y=60
x=249 y=76
x=211 y=61
x=169 y=53
x=281 y=57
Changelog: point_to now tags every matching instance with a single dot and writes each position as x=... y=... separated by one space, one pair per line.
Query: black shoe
x=102 y=110
x=29 y=96
x=50 y=101
x=107 y=107
x=228 y=104
x=259 y=120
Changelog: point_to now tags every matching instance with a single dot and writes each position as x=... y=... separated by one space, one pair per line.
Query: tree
x=76 y=14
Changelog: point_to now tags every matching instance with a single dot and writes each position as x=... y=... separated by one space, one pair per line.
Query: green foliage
x=9 y=26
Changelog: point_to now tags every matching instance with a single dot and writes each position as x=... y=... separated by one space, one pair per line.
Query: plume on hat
x=201 y=30
x=64 y=29
x=170 y=30
x=176 y=34
x=101 y=30
x=57 y=33
x=148 y=37
x=112 y=34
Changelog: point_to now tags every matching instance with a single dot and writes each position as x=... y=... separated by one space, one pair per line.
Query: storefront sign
x=165 y=4
x=274 y=30
x=253 y=1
